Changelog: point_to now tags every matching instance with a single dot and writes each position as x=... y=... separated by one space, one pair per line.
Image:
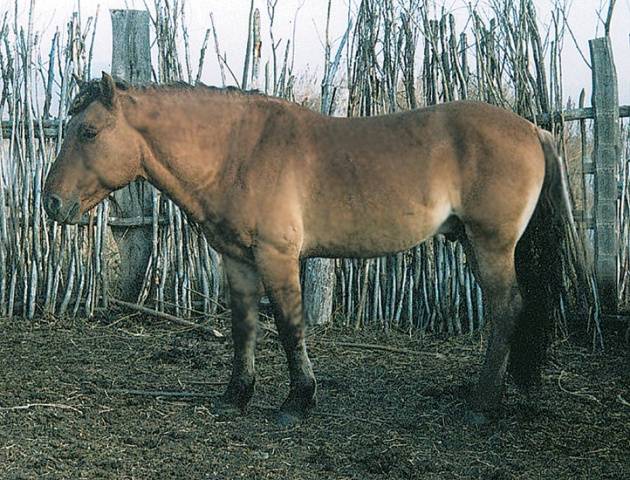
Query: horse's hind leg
x=495 y=266
x=245 y=292
x=280 y=273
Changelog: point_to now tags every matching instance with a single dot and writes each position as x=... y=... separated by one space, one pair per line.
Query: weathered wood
x=575 y=114
x=319 y=285
x=131 y=54
x=50 y=127
x=131 y=61
x=567 y=115
x=128 y=222
x=605 y=101
x=583 y=217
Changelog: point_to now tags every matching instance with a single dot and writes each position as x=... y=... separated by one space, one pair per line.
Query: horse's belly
x=376 y=235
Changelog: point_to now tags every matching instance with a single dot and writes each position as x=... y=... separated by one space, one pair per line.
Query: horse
x=270 y=183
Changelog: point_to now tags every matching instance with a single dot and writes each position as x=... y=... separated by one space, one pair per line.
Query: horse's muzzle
x=59 y=210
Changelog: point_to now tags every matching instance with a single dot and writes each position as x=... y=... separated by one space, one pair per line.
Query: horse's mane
x=91 y=90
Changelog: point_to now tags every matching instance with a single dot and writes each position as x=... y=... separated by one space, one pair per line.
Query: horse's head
x=100 y=153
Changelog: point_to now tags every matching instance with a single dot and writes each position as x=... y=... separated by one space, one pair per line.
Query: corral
x=92 y=388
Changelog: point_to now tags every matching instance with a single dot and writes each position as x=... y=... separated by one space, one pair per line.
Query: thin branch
x=166 y=316
x=43 y=405
x=575 y=42
x=248 y=48
x=611 y=7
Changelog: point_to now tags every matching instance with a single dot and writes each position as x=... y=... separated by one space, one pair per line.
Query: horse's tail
x=549 y=252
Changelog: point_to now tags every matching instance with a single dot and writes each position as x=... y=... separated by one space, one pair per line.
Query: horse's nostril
x=53 y=203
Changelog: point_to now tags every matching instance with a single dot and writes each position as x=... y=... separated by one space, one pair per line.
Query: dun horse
x=270 y=182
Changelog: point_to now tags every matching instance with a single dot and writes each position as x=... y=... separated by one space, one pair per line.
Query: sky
x=231 y=18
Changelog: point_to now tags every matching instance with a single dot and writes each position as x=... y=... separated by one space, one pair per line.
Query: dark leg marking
x=280 y=275
x=494 y=265
x=245 y=293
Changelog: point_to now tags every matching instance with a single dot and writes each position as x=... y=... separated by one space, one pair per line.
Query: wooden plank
x=50 y=128
x=127 y=222
x=605 y=101
x=575 y=114
x=566 y=115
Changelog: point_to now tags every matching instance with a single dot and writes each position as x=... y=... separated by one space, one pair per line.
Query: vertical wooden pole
x=131 y=61
x=606 y=151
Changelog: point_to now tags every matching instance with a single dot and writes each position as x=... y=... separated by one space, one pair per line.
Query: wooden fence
x=397 y=56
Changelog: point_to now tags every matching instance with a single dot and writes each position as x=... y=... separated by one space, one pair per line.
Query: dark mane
x=91 y=90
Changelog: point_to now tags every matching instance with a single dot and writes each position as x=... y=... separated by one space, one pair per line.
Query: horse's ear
x=108 y=90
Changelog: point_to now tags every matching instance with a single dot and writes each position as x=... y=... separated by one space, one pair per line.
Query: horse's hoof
x=486 y=402
x=226 y=409
x=476 y=419
x=298 y=405
x=236 y=398
x=289 y=420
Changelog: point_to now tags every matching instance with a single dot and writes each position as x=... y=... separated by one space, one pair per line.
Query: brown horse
x=270 y=182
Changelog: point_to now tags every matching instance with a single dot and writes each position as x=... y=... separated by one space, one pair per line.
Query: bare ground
x=81 y=399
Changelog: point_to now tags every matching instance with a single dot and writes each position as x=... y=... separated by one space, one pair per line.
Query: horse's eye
x=88 y=132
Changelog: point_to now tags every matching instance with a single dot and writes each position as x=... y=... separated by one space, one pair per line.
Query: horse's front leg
x=280 y=273
x=245 y=292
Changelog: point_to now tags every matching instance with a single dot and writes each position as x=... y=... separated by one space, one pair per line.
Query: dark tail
x=553 y=274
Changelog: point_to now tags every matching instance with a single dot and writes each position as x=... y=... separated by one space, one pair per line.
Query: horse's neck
x=187 y=139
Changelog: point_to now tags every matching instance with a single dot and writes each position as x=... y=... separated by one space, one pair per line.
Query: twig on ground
x=45 y=405
x=587 y=396
x=171 y=318
x=160 y=393
x=201 y=382
x=623 y=401
x=123 y=318
x=268 y=328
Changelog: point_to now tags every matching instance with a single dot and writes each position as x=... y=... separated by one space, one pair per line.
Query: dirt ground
x=132 y=398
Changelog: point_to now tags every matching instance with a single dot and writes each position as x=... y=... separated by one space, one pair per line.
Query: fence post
x=131 y=61
x=319 y=286
x=605 y=101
